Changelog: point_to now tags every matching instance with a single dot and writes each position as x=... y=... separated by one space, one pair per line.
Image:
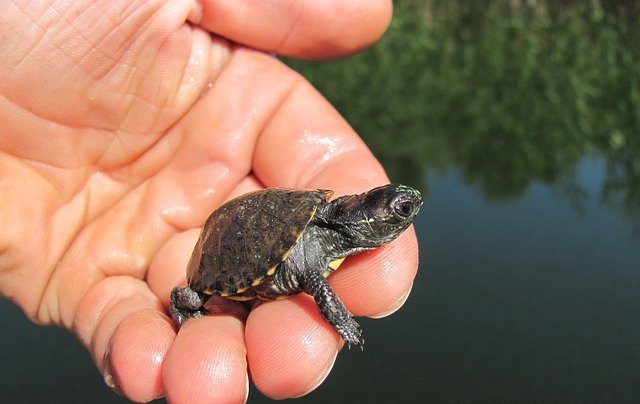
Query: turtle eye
x=404 y=208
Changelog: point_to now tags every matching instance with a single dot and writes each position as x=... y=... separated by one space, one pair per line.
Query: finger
x=281 y=335
x=377 y=283
x=318 y=146
x=309 y=29
x=124 y=327
x=169 y=266
x=207 y=362
x=134 y=361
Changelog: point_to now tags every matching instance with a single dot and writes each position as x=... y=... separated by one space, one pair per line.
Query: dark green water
x=521 y=123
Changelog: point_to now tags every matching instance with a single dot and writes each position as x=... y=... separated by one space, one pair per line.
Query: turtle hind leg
x=332 y=309
x=185 y=303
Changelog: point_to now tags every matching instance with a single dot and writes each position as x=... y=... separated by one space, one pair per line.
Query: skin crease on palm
x=123 y=125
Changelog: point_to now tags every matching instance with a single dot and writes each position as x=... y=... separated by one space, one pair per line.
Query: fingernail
x=395 y=307
x=195 y=14
x=322 y=376
x=107 y=375
x=246 y=390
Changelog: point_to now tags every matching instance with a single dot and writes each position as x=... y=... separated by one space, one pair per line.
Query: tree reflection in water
x=509 y=93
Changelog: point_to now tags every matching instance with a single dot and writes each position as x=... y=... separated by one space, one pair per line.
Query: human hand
x=124 y=124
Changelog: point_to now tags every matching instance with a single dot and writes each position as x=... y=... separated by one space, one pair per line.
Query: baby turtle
x=277 y=242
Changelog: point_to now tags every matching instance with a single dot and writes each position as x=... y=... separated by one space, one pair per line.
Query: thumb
x=306 y=28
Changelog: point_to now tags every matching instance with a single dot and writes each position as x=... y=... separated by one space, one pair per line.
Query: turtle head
x=373 y=218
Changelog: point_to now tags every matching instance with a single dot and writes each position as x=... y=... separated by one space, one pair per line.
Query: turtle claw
x=351 y=333
x=184 y=303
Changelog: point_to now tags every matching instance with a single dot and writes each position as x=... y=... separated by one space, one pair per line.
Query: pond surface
x=520 y=121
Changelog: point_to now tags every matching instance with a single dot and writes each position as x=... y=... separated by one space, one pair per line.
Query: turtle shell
x=243 y=242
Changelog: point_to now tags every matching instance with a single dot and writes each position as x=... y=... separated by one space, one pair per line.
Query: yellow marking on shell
x=298 y=236
x=272 y=270
x=242 y=289
x=333 y=265
x=239 y=298
x=327 y=193
x=207 y=291
x=257 y=282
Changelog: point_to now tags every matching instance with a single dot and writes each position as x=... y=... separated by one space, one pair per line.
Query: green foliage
x=508 y=92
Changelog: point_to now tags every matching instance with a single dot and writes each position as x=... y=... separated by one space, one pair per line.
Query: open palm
x=123 y=124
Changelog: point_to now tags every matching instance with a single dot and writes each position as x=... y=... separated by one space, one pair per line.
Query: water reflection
x=508 y=93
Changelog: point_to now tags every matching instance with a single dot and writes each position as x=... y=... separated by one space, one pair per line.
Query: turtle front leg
x=185 y=303
x=332 y=308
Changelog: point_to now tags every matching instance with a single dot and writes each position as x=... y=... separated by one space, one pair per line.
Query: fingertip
x=135 y=357
x=304 y=29
x=124 y=326
x=378 y=282
x=329 y=29
x=326 y=148
x=195 y=12
x=207 y=362
x=290 y=348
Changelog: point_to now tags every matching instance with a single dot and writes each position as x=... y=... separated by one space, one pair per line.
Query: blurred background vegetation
x=508 y=92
